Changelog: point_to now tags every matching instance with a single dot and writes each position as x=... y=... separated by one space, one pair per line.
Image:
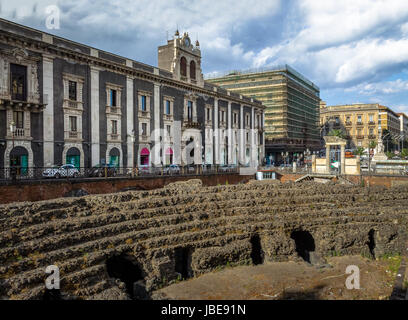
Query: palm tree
x=337 y=133
x=360 y=151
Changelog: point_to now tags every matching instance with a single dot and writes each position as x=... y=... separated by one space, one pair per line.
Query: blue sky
x=356 y=51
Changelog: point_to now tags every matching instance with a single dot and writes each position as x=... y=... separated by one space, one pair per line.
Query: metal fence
x=21 y=173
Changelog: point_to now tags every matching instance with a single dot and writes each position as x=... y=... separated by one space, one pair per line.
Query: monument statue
x=380 y=155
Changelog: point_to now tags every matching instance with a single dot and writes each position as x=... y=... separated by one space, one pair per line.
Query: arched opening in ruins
x=182 y=260
x=124 y=268
x=257 y=255
x=371 y=242
x=304 y=244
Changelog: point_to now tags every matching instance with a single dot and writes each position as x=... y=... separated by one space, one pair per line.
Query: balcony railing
x=349 y=123
x=114 y=136
x=360 y=137
x=73 y=135
x=114 y=110
x=373 y=137
x=189 y=124
x=372 y=123
x=143 y=138
x=168 y=117
x=19 y=132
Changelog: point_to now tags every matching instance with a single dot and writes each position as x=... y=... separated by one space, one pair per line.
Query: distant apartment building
x=361 y=123
x=292 y=107
x=403 y=124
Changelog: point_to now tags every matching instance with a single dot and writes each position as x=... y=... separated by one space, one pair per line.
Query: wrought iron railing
x=61 y=173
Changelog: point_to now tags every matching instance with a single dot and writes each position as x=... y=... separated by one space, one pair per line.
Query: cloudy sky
x=355 y=50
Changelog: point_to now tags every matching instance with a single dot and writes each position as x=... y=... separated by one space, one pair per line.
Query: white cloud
x=387 y=87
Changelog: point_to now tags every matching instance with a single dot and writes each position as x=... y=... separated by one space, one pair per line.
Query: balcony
x=372 y=123
x=70 y=104
x=114 y=137
x=349 y=123
x=360 y=124
x=372 y=137
x=360 y=137
x=32 y=101
x=144 y=114
x=73 y=135
x=144 y=138
x=113 y=110
x=190 y=124
x=168 y=117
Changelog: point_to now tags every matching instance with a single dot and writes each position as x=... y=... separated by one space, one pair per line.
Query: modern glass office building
x=292 y=113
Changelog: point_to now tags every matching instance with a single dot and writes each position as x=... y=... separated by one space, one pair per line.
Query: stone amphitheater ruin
x=105 y=246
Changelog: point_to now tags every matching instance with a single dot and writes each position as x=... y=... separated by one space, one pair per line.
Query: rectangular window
x=190 y=110
x=72 y=91
x=168 y=127
x=18 y=82
x=168 y=111
x=208 y=115
x=371 y=131
x=247 y=137
x=247 y=120
x=73 y=124
x=143 y=106
x=18 y=118
x=114 y=124
x=235 y=118
x=113 y=98
x=371 y=118
x=359 y=119
x=144 y=129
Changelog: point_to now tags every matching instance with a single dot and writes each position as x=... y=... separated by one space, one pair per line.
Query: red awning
x=145 y=152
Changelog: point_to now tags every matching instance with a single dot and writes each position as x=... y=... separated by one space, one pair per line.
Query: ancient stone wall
x=185 y=230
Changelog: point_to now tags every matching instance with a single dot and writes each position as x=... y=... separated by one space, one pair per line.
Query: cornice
x=51 y=50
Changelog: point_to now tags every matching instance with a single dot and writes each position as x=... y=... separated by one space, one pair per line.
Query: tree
x=404 y=154
x=389 y=155
x=360 y=152
x=337 y=133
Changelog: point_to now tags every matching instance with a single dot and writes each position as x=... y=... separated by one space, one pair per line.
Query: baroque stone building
x=360 y=123
x=64 y=102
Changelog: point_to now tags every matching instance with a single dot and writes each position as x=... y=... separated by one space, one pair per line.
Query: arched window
x=183 y=67
x=192 y=70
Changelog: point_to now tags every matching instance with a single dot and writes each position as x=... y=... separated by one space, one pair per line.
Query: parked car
x=227 y=168
x=101 y=170
x=171 y=169
x=67 y=170
x=143 y=170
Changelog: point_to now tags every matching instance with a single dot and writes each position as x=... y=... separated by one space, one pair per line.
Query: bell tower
x=182 y=59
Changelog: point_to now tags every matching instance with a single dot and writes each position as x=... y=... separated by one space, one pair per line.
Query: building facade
x=63 y=102
x=361 y=123
x=292 y=107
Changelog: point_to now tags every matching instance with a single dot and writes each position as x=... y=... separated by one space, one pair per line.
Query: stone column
x=241 y=145
x=229 y=135
x=48 y=113
x=156 y=127
x=130 y=122
x=313 y=163
x=216 y=134
x=343 y=159
x=327 y=159
x=254 y=160
x=95 y=147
